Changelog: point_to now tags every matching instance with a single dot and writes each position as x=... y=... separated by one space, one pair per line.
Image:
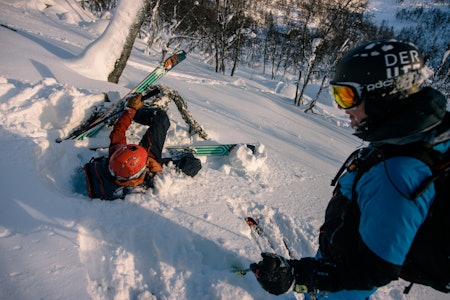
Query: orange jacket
x=118 y=137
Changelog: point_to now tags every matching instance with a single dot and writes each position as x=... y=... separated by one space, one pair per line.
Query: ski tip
x=174 y=60
x=250 y=221
x=181 y=53
x=8 y=27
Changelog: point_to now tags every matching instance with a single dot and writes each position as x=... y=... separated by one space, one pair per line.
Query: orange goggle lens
x=344 y=96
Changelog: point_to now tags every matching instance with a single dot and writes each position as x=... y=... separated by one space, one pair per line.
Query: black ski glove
x=150 y=92
x=305 y=271
x=273 y=273
x=188 y=164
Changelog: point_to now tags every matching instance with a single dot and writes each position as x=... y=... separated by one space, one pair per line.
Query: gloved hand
x=135 y=102
x=305 y=271
x=154 y=166
x=274 y=273
x=188 y=164
x=150 y=92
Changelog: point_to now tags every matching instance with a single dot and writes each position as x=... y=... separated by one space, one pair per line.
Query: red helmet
x=128 y=162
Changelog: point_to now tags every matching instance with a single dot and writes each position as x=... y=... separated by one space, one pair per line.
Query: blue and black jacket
x=370 y=226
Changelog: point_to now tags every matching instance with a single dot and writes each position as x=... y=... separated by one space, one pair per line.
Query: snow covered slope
x=180 y=240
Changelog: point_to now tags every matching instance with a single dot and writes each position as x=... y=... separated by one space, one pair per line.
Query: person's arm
x=387 y=227
x=363 y=271
x=118 y=134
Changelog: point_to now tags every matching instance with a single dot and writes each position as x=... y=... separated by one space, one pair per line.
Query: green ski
x=108 y=117
x=207 y=149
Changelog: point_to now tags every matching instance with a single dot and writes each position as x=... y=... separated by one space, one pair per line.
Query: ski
x=8 y=27
x=207 y=149
x=94 y=125
x=197 y=150
x=260 y=237
x=262 y=241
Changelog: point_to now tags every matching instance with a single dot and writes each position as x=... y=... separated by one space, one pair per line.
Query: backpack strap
x=423 y=152
x=363 y=160
x=440 y=169
x=351 y=163
x=432 y=237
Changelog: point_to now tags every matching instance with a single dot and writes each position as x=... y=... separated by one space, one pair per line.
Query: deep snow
x=180 y=240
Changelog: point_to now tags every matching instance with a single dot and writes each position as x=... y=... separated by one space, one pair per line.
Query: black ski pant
x=155 y=136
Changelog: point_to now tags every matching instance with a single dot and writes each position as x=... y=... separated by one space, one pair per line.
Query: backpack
x=99 y=182
x=428 y=260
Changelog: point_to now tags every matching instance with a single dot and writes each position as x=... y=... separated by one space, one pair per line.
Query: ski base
x=208 y=150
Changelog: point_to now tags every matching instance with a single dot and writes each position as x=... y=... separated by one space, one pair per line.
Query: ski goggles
x=135 y=176
x=131 y=181
x=346 y=97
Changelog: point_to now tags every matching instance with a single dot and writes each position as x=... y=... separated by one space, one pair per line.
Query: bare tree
x=340 y=16
x=441 y=78
x=222 y=17
x=282 y=35
x=342 y=49
x=172 y=95
x=153 y=26
x=121 y=62
x=105 y=58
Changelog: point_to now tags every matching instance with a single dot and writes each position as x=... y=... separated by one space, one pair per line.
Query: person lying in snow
x=134 y=166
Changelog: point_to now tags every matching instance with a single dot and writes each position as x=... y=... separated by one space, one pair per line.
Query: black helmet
x=382 y=73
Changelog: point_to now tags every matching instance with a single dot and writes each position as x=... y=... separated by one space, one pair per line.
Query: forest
x=291 y=40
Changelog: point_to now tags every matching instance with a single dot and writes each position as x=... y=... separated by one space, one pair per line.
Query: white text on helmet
x=380 y=84
x=400 y=83
x=401 y=63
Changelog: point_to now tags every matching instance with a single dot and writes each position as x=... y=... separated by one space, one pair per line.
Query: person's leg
x=155 y=136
